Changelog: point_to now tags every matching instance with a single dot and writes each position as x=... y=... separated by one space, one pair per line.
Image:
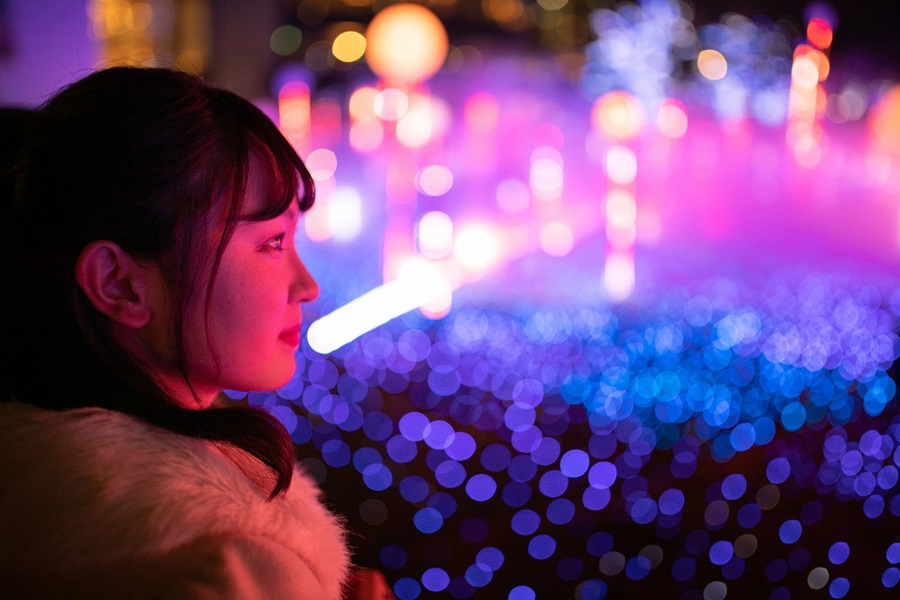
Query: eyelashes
x=276 y=243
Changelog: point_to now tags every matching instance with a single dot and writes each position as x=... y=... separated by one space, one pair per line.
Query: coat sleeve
x=220 y=568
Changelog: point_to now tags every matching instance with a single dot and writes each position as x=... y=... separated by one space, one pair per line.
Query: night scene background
x=610 y=291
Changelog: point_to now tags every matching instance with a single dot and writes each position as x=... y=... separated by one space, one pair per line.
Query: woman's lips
x=291 y=336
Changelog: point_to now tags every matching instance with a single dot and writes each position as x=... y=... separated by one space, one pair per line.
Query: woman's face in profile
x=253 y=323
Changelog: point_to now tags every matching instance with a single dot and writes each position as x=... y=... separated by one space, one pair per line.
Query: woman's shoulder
x=93 y=484
x=62 y=469
x=96 y=448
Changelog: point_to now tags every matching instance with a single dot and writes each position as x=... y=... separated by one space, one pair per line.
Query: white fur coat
x=94 y=503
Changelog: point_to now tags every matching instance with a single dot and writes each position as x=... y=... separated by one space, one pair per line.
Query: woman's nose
x=303 y=287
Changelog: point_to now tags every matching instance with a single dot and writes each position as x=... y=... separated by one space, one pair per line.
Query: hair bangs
x=279 y=181
x=285 y=178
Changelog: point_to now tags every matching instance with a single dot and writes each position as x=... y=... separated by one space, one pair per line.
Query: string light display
x=690 y=439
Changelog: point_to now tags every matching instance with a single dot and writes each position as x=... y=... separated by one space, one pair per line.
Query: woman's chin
x=283 y=376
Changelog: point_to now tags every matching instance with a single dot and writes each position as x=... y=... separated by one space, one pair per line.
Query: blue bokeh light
x=490 y=558
x=525 y=522
x=541 y=547
x=521 y=592
x=435 y=579
x=839 y=588
x=721 y=552
x=838 y=553
x=428 y=520
x=407 y=589
x=481 y=487
x=790 y=531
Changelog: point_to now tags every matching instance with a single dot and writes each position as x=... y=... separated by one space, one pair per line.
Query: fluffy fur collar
x=92 y=486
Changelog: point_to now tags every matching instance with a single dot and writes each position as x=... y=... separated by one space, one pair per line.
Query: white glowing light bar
x=418 y=284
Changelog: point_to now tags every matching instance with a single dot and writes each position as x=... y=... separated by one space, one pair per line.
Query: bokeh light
x=286 y=40
x=556 y=239
x=618 y=115
x=406 y=43
x=712 y=64
x=349 y=46
x=434 y=180
x=477 y=246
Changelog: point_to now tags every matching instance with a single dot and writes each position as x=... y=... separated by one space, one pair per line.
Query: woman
x=148 y=263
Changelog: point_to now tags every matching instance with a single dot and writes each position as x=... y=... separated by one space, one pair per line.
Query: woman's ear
x=115 y=283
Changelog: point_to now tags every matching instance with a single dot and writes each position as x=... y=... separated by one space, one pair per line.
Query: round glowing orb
x=349 y=46
x=819 y=33
x=285 y=40
x=391 y=104
x=556 y=239
x=621 y=210
x=406 y=43
x=837 y=108
x=506 y=12
x=712 y=64
x=617 y=115
x=672 y=118
x=815 y=65
x=512 y=195
x=435 y=233
x=858 y=100
x=546 y=179
x=414 y=129
x=552 y=4
x=477 y=246
x=362 y=103
x=321 y=163
x=621 y=165
x=317 y=56
x=434 y=180
x=316 y=223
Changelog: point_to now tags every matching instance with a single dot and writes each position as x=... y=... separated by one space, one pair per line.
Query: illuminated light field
x=692 y=441
x=658 y=322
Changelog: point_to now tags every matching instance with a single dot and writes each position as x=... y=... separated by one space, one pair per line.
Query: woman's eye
x=277 y=242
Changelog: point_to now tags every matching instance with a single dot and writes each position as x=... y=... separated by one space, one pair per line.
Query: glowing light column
x=884 y=147
x=294 y=115
x=618 y=117
x=406 y=44
x=806 y=103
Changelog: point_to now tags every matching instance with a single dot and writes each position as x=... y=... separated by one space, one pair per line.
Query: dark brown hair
x=144 y=158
